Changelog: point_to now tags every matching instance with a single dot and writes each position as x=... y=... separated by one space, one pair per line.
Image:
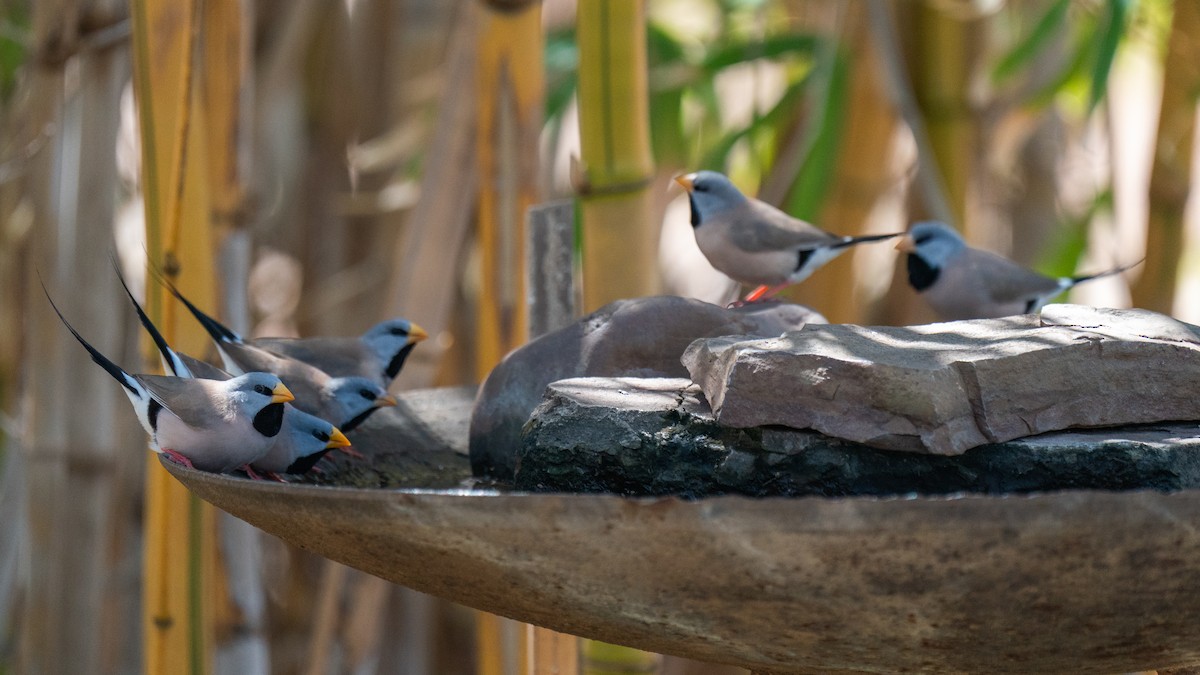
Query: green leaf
x=716 y=156
x=1110 y=39
x=561 y=58
x=1034 y=43
x=817 y=172
x=771 y=47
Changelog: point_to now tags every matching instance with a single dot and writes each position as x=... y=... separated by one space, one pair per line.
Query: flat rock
x=640 y=337
x=947 y=387
x=635 y=436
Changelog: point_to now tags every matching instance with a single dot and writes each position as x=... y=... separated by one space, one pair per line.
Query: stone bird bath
x=1075 y=581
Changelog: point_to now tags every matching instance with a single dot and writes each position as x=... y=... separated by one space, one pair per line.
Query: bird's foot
x=762 y=294
x=251 y=473
x=349 y=450
x=275 y=477
x=174 y=456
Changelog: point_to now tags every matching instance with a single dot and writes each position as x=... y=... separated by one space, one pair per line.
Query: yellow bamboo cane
x=943 y=61
x=619 y=234
x=1170 y=176
x=511 y=89
x=619 y=237
x=174 y=179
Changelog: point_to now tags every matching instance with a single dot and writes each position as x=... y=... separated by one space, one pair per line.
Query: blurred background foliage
x=370 y=159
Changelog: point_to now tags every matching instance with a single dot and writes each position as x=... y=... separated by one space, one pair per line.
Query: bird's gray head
x=935 y=242
x=356 y=398
x=709 y=193
x=311 y=438
x=260 y=396
x=391 y=341
x=930 y=245
x=308 y=433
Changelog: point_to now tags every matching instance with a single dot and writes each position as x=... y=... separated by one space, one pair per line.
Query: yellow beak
x=416 y=333
x=385 y=401
x=337 y=439
x=686 y=181
x=906 y=244
x=281 y=394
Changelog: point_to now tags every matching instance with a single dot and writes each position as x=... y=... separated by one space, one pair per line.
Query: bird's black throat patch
x=303 y=464
x=269 y=420
x=803 y=256
x=351 y=425
x=921 y=275
x=397 y=361
x=695 y=211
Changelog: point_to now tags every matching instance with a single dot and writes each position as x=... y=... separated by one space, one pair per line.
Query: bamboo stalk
x=943 y=52
x=73 y=432
x=1170 y=174
x=240 y=608
x=619 y=231
x=511 y=88
x=510 y=85
x=179 y=239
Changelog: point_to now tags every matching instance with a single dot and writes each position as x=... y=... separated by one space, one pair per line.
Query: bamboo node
x=584 y=187
x=171 y=266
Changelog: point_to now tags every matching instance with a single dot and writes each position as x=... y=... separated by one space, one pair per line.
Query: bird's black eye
x=700 y=187
x=321 y=436
x=922 y=239
x=262 y=389
x=367 y=394
x=398 y=331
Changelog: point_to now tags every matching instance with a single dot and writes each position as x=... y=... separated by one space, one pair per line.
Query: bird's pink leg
x=178 y=458
x=251 y=472
x=763 y=293
x=349 y=450
x=275 y=477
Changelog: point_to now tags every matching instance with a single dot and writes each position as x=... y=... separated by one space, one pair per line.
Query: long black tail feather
x=851 y=241
x=1106 y=273
x=217 y=330
x=169 y=357
x=101 y=360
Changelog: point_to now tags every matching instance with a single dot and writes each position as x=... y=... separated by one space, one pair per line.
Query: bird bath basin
x=1080 y=581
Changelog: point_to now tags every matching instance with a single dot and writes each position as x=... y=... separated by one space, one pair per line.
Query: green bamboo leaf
x=1110 y=39
x=1034 y=43
x=1082 y=54
x=716 y=157
x=561 y=58
x=816 y=174
x=771 y=47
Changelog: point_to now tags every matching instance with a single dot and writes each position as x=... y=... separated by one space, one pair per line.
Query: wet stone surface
x=420 y=443
x=658 y=436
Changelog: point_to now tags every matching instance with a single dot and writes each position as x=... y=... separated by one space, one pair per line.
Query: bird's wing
x=202 y=369
x=756 y=226
x=337 y=356
x=1005 y=280
x=195 y=402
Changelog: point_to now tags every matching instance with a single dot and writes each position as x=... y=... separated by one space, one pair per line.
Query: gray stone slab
x=944 y=388
x=638 y=436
